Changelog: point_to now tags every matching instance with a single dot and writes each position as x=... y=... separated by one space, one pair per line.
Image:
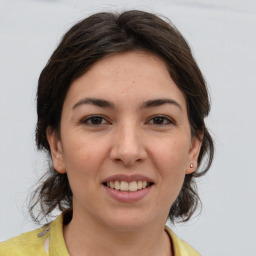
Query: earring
x=191 y=165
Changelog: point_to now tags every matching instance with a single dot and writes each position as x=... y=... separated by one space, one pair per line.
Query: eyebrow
x=160 y=102
x=107 y=104
x=94 y=101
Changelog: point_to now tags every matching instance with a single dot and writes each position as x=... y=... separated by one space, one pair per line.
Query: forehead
x=127 y=76
x=130 y=65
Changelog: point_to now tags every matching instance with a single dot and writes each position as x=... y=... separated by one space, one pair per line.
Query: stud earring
x=191 y=165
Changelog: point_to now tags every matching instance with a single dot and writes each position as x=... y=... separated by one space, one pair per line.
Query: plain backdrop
x=222 y=34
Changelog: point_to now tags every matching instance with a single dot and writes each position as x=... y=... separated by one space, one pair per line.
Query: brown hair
x=97 y=37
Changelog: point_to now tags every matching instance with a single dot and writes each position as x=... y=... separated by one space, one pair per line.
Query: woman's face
x=125 y=141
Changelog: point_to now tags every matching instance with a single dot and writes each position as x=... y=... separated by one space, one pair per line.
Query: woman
x=121 y=106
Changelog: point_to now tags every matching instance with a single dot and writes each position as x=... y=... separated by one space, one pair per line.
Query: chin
x=130 y=221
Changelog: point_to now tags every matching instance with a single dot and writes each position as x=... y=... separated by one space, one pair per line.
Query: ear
x=56 y=150
x=194 y=150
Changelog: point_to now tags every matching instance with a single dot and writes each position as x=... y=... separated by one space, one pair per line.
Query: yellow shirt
x=34 y=243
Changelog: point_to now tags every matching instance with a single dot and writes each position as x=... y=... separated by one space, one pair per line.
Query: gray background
x=222 y=34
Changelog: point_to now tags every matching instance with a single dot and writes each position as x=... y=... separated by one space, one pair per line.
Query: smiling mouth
x=125 y=186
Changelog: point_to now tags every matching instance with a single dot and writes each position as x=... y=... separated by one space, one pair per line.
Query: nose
x=128 y=147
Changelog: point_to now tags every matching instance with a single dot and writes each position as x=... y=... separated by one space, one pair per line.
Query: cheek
x=171 y=162
x=79 y=150
x=83 y=159
x=172 y=156
x=81 y=165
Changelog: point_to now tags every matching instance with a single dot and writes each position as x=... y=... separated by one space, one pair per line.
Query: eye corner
x=161 y=120
x=95 y=120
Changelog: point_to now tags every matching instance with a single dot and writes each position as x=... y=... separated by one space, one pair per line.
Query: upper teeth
x=127 y=186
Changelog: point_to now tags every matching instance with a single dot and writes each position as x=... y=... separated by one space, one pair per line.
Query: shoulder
x=180 y=247
x=29 y=243
x=37 y=242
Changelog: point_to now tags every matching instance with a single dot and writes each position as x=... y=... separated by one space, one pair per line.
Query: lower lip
x=128 y=197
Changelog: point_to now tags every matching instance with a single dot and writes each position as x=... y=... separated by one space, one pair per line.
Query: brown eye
x=95 y=120
x=160 y=120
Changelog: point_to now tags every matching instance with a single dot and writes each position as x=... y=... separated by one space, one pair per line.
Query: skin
x=126 y=138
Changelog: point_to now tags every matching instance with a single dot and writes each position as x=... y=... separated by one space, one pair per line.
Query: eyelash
x=163 y=120
x=90 y=119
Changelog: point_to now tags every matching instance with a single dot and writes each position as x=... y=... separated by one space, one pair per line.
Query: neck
x=85 y=237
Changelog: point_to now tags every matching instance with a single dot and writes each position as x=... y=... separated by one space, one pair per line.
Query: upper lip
x=128 y=178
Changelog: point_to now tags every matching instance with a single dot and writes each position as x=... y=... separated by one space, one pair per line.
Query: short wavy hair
x=91 y=40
